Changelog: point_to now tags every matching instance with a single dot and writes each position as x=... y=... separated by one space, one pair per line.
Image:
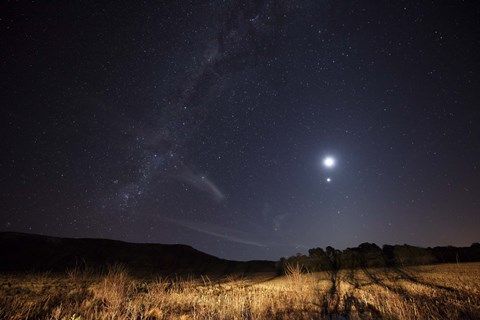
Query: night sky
x=246 y=129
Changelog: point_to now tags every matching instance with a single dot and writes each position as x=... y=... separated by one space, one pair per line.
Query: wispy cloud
x=202 y=183
x=228 y=234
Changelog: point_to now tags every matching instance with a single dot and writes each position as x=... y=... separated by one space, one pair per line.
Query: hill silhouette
x=20 y=252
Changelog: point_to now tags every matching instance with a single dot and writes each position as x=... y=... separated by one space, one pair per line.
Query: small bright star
x=329 y=162
x=328 y=179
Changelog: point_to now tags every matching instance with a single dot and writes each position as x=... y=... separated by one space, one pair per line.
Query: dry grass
x=427 y=292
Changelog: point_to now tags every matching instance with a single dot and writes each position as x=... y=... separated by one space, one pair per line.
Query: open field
x=448 y=291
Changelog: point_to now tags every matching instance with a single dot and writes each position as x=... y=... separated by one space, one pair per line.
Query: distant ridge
x=21 y=252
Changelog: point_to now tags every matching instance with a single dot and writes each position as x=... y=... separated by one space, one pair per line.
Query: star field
x=247 y=129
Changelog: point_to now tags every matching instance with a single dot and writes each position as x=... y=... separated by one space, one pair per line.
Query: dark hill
x=21 y=252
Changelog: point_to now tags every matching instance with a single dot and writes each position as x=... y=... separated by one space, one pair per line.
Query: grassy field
x=449 y=291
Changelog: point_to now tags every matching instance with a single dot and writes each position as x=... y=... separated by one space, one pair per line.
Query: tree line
x=369 y=255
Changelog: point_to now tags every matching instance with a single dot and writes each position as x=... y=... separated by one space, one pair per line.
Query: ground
x=446 y=291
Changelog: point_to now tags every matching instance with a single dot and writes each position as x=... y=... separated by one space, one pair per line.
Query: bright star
x=329 y=162
x=328 y=179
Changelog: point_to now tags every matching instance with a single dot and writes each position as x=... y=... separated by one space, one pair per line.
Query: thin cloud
x=203 y=183
x=217 y=231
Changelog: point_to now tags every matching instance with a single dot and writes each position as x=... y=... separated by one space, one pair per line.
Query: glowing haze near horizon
x=246 y=129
